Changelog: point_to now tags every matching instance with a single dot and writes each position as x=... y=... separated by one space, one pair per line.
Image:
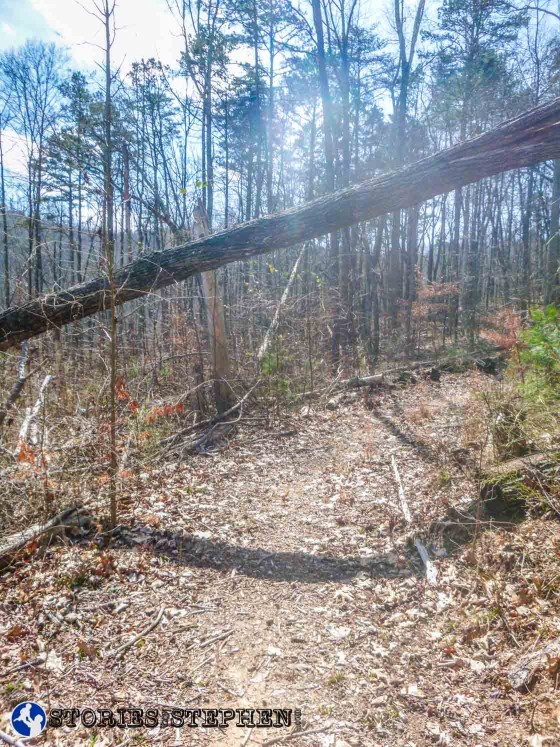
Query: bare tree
x=33 y=75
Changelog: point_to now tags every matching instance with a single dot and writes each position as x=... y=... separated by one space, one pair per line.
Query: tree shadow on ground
x=406 y=439
x=194 y=552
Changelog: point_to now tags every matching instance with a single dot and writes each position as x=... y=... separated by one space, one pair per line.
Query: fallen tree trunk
x=70 y=517
x=510 y=488
x=528 y=139
x=449 y=363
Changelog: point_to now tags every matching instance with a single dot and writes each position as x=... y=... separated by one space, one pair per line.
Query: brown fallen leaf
x=87 y=649
x=15 y=632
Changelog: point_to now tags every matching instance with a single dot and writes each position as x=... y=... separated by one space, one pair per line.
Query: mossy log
x=510 y=488
x=507 y=491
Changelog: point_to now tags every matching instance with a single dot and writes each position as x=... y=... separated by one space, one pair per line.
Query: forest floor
x=286 y=579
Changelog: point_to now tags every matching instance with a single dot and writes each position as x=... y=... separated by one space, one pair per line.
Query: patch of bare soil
x=280 y=574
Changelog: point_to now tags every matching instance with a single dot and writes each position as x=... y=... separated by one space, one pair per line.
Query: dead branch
x=523 y=674
x=210 y=641
x=276 y=319
x=70 y=517
x=17 y=388
x=119 y=652
x=10 y=740
x=32 y=413
x=431 y=570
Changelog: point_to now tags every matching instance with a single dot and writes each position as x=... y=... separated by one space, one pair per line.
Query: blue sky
x=145 y=29
x=18 y=21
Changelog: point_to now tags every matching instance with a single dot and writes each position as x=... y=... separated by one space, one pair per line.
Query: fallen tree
x=532 y=137
x=74 y=517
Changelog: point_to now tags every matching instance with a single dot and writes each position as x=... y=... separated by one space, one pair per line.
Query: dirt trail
x=287 y=582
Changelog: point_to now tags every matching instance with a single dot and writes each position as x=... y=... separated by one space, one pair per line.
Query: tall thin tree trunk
x=216 y=323
x=553 y=254
x=328 y=140
x=110 y=256
x=526 y=237
x=4 y=227
x=127 y=203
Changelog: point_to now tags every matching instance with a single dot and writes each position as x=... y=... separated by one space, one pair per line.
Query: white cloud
x=144 y=29
x=14 y=152
x=7 y=29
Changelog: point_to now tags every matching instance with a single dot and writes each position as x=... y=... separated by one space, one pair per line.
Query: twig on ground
x=210 y=641
x=10 y=740
x=402 y=497
x=39 y=661
x=296 y=735
x=230 y=692
x=118 y=653
x=431 y=570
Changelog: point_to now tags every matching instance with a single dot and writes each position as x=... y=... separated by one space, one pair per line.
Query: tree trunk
x=553 y=255
x=216 y=323
x=4 y=226
x=328 y=140
x=109 y=241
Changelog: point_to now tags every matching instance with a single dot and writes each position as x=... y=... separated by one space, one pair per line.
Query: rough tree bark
x=18 y=386
x=216 y=322
x=527 y=139
x=553 y=254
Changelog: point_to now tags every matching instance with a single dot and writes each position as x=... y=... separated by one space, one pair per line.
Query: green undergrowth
x=524 y=412
x=539 y=357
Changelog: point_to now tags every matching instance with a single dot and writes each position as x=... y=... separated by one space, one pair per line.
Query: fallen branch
x=212 y=422
x=57 y=525
x=402 y=497
x=379 y=378
x=276 y=319
x=119 y=652
x=431 y=570
x=523 y=674
x=356 y=382
x=37 y=662
x=296 y=735
x=210 y=641
x=32 y=413
x=10 y=740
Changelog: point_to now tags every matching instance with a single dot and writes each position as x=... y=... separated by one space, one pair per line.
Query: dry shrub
x=420 y=413
x=503 y=329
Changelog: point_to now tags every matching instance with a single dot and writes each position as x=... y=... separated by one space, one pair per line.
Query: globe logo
x=28 y=719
